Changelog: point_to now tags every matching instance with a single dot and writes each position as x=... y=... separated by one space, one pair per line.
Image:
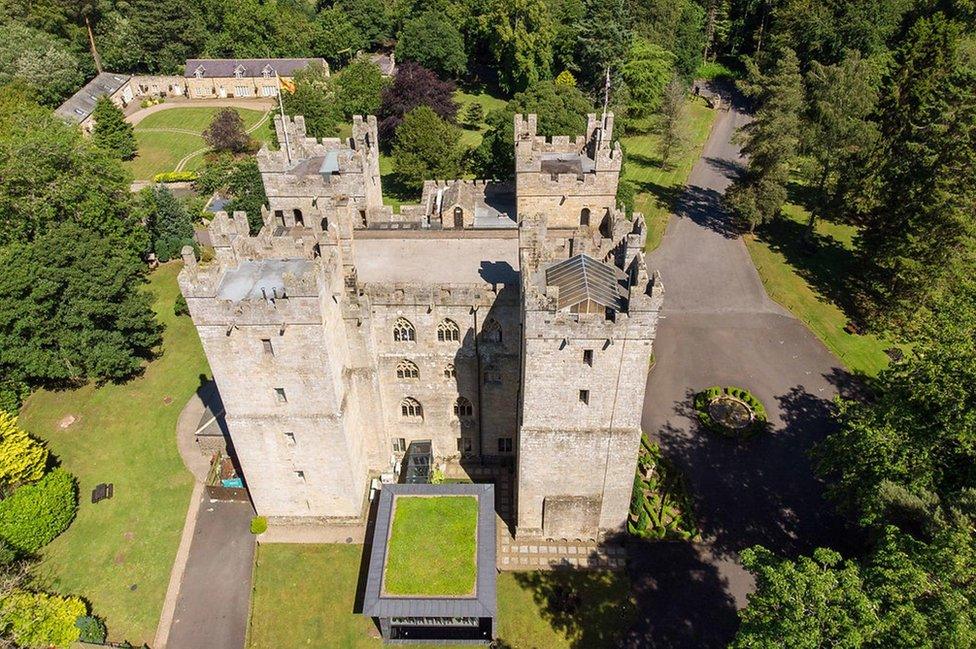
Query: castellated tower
x=573 y=180
x=588 y=326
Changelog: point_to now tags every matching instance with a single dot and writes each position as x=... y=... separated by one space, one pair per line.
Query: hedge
x=40 y=619
x=259 y=525
x=706 y=396
x=175 y=177
x=35 y=514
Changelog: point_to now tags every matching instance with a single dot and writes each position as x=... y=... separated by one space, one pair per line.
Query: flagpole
x=284 y=125
x=606 y=100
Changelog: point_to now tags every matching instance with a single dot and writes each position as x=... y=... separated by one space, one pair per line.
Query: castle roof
x=583 y=278
x=248 y=68
x=81 y=104
x=436 y=260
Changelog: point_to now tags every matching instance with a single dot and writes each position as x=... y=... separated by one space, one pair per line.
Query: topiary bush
x=35 y=514
x=91 y=629
x=41 y=619
x=259 y=525
x=704 y=399
x=175 y=177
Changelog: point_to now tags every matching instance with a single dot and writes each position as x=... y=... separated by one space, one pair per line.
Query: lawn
x=118 y=554
x=314 y=587
x=471 y=138
x=162 y=150
x=659 y=187
x=812 y=283
x=433 y=546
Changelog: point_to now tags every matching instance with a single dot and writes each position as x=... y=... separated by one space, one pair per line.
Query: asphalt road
x=212 y=608
x=718 y=327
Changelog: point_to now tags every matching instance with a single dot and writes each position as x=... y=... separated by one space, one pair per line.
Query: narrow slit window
x=280 y=395
x=588 y=357
x=584 y=397
x=267 y=346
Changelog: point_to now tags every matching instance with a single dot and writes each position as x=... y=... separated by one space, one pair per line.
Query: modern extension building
x=503 y=322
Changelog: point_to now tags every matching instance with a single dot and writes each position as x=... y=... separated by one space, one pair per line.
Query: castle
x=507 y=323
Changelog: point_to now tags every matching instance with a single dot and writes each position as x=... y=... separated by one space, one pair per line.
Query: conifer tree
x=112 y=132
x=22 y=458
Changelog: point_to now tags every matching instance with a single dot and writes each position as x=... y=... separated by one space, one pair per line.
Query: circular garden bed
x=731 y=411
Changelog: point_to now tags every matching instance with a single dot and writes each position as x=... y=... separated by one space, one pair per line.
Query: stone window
x=411 y=408
x=585 y=216
x=280 y=395
x=588 y=357
x=465 y=445
x=492 y=331
x=299 y=219
x=504 y=444
x=407 y=370
x=584 y=397
x=267 y=346
x=462 y=408
x=403 y=331
x=450 y=372
x=399 y=445
x=290 y=439
x=492 y=375
x=300 y=476
x=448 y=331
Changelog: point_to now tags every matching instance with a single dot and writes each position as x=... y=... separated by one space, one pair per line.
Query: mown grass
x=658 y=186
x=471 y=137
x=813 y=282
x=118 y=554
x=313 y=587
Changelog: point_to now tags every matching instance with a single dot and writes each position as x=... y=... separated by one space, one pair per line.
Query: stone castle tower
x=502 y=324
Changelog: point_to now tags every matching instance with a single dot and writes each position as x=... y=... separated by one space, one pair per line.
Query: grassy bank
x=117 y=554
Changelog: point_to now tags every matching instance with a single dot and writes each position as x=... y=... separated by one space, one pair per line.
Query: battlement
x=413 y=294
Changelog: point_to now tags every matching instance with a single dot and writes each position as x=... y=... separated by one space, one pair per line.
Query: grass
x=160 y=151
x=813 y=283
x=314 y=586
x=471 y=138
x=658 y=187
x=118 y=554
x=433 y=546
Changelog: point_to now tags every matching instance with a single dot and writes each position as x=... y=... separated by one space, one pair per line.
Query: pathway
x=719 y=327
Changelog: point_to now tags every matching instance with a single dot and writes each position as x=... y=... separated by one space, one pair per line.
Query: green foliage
x=370 y=17
x=714 y=71
x=471 y=115
x=22 y=458
x=111 y=131
x=226 y=132
x=175 y=177
x=259 y=525
x=41 y=620
x=426 y=147
x=673 y=106
x=169 y=223
x=432 y=40
x=660 y=507
x=180 y=307
x=807 y=603
x=357 y=88
x=561 y=110
x=519 y=35
x=153 y=36
x=677 y=26
x=91 y=629
x=12 y=393
x=35 y=514
x=315 y=100
x=708 y=395
x=337 y=38
x=565 y=78
x=437 y=476
x=603 y=38
x=239 y=178
x=44 y=63
x=647 y=71
x=771 y=140
x=8 y=555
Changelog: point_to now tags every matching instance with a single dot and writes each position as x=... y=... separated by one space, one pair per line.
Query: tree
x=414 y=86
x=73 y=309
x=35 y=514
x=314 y=99
x=22 y=458
x=426 y=147
x=673 y=109
x=226 y=132
x=358 y=87
x=169 y=223
x=50 y=174
x=771 y=140
x=807 y=603
x=432 y=40
x=337 y=38
x=41 y=61
x=472 y=115
x=519 y=34
x=162 y=34
x=111 y=131
x=647 y=71
x=41 y=619
x=241 y=179
x=566 y=78
x=603 y=40
x=561 y=110
x=370 y=17
x=913 y=194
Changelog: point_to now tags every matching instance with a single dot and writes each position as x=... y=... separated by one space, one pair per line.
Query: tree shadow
x=704 y=207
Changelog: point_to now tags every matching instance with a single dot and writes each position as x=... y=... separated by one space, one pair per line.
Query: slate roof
x=483 y=604
x=81 y=104
x=250 y=68
x=583 y=278
x=385 y=62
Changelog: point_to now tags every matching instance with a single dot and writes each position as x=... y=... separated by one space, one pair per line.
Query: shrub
x=175 y=177
x=706 y=396
x=259 y=525
x=713 y=70
x=22 y=458
x=35 y=514
x=180 y=307
x=41 y=619
x=7 y=553
x=92 y=629
x=226 y=132
x=643 y=520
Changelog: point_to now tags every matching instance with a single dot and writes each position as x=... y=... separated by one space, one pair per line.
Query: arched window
x=407 y=370
x=403 y=331
x=299 y=219
x=585 y=216
x=448 y=331
x=411 y=408
x=449 y=371
x=492 y=375
x=462 y=408
x=492 y=331
x=458 y=217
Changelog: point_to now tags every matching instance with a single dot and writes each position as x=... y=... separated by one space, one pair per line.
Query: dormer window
x=198 y=73
x=239 y=72
x=267 y=72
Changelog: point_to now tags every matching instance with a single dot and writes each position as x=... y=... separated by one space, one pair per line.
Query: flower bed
x=730 y=411
x=660 y=508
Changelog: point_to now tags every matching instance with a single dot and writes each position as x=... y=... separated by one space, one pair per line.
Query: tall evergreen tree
x=520 y=36
x=314 y=99
x=771 y=140
x=111 y=131
x=604 y=37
